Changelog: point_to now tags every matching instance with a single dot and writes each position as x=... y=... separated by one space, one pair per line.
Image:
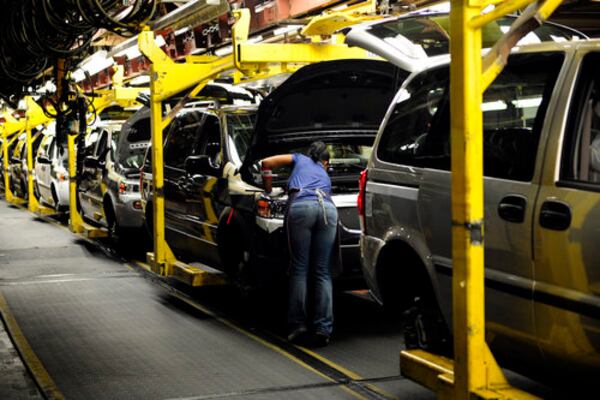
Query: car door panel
x=566 y=226
x=203 y=207
x=514 y=108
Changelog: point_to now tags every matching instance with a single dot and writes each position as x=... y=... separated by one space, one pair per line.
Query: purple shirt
x=307 y=176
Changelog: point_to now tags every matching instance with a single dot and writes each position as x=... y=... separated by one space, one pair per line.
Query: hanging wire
x=35 y=33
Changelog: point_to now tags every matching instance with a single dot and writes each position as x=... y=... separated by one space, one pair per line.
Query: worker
x=311 y=223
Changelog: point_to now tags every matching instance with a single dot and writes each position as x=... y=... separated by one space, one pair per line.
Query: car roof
x=566 y=47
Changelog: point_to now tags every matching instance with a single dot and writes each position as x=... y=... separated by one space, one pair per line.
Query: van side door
x=202 y=190
x=42 y=170
x=514 y=108
x=96 y=190
x=179 y=145
x=567 y=223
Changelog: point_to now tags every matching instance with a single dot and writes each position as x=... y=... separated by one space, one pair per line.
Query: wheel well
x=149 y=217
x=109 y=211
x=402 y=275
x=54 y=193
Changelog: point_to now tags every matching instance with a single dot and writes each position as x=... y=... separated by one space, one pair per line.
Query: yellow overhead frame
x=125 y=97
x=11 y=129
x=34 y=116
x=248 y=62
x=474 y=372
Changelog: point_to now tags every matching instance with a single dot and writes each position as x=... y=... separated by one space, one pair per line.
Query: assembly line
x=324 y=206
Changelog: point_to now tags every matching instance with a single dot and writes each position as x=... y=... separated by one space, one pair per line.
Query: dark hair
x=318 y=151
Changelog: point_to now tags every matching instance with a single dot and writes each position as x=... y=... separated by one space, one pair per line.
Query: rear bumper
x=128 y=216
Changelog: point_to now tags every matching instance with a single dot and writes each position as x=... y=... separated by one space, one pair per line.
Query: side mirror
x=201 y=165
x=90 y=162
x=43 y=160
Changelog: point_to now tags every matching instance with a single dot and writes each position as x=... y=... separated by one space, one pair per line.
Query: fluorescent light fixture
x=140 y=80
x=527 y=102
x=255 y=39
x=78 y=75
x=160 y=41
x=182 y=30
x=497 y=105
x=96 y=62
x=286 y=29
x=224 y=51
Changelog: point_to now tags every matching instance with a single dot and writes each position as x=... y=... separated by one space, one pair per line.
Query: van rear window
x=417 y=132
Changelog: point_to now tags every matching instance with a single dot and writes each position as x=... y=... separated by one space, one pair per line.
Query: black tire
x=115 y=232
x=55 y=198
x=424 y=327
x=237 y=260
x=36 y=190
x=149 y=220
x=24 y=191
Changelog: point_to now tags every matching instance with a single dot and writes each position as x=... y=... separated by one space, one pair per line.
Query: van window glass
x=114 y=140
x=210 y=139
x=514 y=108
x=431 y=33
x=102 y=146
x=44 y=147
x=581 y=157
x=240 y=128
x=410 y=136
x=182 y=138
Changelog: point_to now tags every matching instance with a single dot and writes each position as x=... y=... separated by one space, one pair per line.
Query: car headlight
x=270 y=208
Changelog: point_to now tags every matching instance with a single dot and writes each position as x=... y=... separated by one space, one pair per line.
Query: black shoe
x=320 y=339
x=298 y=336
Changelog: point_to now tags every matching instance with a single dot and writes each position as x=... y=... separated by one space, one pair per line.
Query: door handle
x=512 y=208
x=555 y=215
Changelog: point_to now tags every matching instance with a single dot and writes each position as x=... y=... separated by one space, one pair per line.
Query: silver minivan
x=541 y=127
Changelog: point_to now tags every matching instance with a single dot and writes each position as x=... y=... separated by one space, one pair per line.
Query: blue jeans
x=311 y=240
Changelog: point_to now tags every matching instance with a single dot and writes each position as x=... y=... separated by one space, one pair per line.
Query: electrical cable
x=35 y=33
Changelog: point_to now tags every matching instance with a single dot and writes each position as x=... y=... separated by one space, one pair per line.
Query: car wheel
x=424 y=327
x=149 y=220
x=24 y=189
x=237 y=261
x=55 y=198
x=36 y=189
x=114 y=231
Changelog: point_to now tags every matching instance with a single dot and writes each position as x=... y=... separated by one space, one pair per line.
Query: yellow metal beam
x=124 y=97
x=502 y=8
x=34 y=117
x=467 y=199
x=331 y=22
x=298 y=52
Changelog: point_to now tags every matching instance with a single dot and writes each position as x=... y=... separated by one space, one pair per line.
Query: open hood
x=336 y=102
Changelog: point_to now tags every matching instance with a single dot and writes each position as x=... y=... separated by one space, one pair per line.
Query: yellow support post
x=474 y=372
x=125 y=97
x=34 y=117
x=10 y=131
x=168 y=79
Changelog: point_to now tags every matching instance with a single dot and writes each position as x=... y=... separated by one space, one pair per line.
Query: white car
x=52 y=173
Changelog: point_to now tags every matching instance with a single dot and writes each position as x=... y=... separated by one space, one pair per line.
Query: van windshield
x=240 y=128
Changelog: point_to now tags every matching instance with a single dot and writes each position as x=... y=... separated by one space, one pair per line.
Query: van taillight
x=362 y=186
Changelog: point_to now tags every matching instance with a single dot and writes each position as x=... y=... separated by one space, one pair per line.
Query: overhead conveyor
x=11 y=129
x=474 y=372
x=248 y=61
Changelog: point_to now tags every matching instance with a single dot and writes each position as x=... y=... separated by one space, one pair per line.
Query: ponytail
x=318 y=152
